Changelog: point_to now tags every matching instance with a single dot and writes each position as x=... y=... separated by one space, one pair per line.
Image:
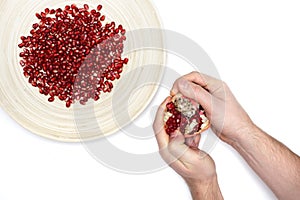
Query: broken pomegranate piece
x=186 y=116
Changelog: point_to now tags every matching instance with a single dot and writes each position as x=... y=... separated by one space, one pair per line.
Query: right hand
x=228 y=119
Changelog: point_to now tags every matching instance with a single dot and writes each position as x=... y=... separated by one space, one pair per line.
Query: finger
x=193 y=142
x=203 y=80
x=158 y=125
x=197 y=140
x=178 y=148
x=195 y=92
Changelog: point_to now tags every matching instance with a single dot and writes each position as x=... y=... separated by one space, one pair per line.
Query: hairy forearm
x=277 y=166
x=208 y=191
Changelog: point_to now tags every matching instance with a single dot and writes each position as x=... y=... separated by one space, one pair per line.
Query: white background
x=255 y=46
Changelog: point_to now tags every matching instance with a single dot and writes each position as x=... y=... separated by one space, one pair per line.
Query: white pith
x=167 y=116
x=190 y=126
x=204 y=121
x=185 y=106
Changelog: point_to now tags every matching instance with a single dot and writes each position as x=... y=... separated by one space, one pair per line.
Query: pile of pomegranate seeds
x=186 y=122
x=70 y=54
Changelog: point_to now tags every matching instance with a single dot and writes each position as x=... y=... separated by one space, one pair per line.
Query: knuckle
x=196 y=88
x=179 y=79
x=195 y=73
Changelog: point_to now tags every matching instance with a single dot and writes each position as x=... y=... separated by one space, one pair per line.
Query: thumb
x=178 y=148
x=193 y=142
x=177 y=138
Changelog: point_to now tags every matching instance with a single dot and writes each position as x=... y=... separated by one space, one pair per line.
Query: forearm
x=208 y=191
x=276 y=165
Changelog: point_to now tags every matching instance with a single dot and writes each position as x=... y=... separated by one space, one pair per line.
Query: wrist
x=241 y=134
x=191 y=182
x=245 y=135
x=208 y=189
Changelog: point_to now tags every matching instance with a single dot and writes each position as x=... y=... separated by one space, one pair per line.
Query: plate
x=96 y=119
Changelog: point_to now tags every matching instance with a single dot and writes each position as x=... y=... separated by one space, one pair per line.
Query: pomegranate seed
x=43 y=15
x=96 y=98
x=51 y=99
x=68 y=104
x=21 y=45
x=102 y=18
x=170 y=106
x=35 y=25
x=123 y=32
x=73 y=6
x=38 y=15
x=86 y=6
x=93 y=12
x=71 y=55
x=99 y=7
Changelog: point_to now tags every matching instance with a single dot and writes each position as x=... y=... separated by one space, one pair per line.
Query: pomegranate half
x=185 y=115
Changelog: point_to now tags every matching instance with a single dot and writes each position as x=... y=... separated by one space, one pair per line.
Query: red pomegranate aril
x=68 y=104
x=82 y=102
x=123 y=33
x=26 y=74
x=96 y=98
x=86 y=7
x=51 y=99
x=73 y=6
x=22 y=63
x=54 y=70
x=38 y=15
x=35 y=25
x=97 y=14
x=102 y=18
x=47 y=10
x=93 y=12
x=99 y=7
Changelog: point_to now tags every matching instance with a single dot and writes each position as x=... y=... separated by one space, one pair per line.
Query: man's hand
x=273 y=162
x=195 y=166
x=228 y=118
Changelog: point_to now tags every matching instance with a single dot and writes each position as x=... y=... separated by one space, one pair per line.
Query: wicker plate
x=53 y=120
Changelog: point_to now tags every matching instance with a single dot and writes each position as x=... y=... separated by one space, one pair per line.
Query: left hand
x=181 y=154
